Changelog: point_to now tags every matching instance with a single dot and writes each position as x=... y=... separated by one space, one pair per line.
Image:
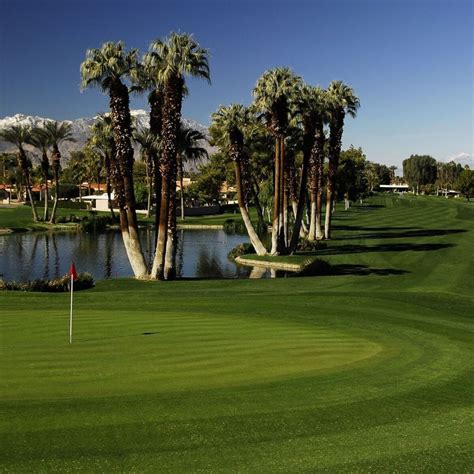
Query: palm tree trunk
x=253 y=236
x=173 y=96
x=301 y=202
x=26 y=177
x=45 y=168
x=157 y=188
x=157 y=270
x=121 y=126
x=56 y=195
x=172 y=240
x=156 y=99
x=335 y=140
x=181 y=185
x=294 y=197
x=108 y=176
x=254 y=189
x=276 y=200
x=149 y=177
x=282 y=200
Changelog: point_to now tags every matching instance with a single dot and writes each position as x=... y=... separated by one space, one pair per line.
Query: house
x=394 y=188
x=98 y=202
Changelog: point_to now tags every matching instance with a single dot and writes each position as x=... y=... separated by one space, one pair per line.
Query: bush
x=96 y=223
x=233 y=226
x=241 y=249
x=310 y=246
x=55 y=285
x=70 y=218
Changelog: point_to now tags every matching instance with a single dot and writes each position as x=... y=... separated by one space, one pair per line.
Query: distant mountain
x=463 y=159
x=80 y=131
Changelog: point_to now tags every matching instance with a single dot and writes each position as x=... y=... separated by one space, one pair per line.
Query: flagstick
x=70 y=317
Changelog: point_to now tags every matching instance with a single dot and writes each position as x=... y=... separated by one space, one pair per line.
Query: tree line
x=423 y=173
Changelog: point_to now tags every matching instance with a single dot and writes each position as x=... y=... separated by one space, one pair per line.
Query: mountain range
x=80 y=131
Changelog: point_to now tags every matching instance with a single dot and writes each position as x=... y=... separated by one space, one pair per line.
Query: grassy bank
x=19 y=218
x=369 y=369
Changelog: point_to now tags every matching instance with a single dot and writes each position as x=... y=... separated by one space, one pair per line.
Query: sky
x=409 y=61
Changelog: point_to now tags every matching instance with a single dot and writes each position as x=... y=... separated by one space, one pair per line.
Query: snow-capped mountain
x=463 y=159
x=80 y=131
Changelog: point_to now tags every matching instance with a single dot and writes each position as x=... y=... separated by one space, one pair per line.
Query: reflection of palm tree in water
x=33 y=252
x=46 y=257
x=180 y=263
x=109 y=252
x=208 y=265
x=56 y=256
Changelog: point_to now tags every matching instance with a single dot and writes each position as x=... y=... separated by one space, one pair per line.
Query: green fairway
x=366 y=370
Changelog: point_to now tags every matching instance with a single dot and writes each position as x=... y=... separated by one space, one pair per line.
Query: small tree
x=465 y=183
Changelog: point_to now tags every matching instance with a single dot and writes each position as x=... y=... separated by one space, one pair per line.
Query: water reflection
x=200 y=254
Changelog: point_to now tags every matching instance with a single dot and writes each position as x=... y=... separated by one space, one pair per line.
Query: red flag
x=72 y=271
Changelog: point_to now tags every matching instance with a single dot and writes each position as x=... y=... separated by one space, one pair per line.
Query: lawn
x=19 y=217
x=369 y=369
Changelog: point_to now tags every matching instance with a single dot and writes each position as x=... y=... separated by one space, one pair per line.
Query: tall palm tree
x=57 y=133
x=148 y=76
x=180 y=55
x=149 y=145
x=108 y=68
x=41 y=140
x=189 y=149
x=102 y=141
x=314 y=115
x=227 y=126
x=342 y=101
x=272 y=96
x=19 y=135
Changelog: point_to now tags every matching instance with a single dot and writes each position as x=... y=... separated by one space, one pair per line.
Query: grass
x=19 y=218
x=369 y=369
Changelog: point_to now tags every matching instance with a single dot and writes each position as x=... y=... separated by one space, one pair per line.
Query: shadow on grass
x=398 y=247
x=117 y=337
x=369 y=207
x=323 y=268
x=404 y=234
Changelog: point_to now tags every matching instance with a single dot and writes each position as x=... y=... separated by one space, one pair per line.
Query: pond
x=201 y=254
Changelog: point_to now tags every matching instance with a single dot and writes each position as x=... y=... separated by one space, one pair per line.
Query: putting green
x=179 y=353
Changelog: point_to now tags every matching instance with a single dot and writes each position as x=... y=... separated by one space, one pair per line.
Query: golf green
x=369 y=369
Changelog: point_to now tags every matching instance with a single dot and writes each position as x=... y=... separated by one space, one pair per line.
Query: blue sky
x=410 y=62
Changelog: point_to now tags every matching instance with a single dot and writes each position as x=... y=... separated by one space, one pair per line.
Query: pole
x=70 y=316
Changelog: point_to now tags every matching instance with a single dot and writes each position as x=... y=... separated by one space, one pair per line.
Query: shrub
x=55 y=285
x=310 y=246
x=96 y=223
x=241 y=249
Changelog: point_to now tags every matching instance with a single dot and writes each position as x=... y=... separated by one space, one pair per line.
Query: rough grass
x=20 y=217
x=369 y=369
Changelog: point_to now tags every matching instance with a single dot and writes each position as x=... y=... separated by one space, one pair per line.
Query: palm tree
x=57 y=133
x=313 y=110
x=227 y=126
x=148 y=76
x=149 y=144
x=342 y=101
x=101 y=140
x=107 y=68
x=272 y=95
x=19 y=135
x=41 y=140
x=188 y=150
x=179 y=55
